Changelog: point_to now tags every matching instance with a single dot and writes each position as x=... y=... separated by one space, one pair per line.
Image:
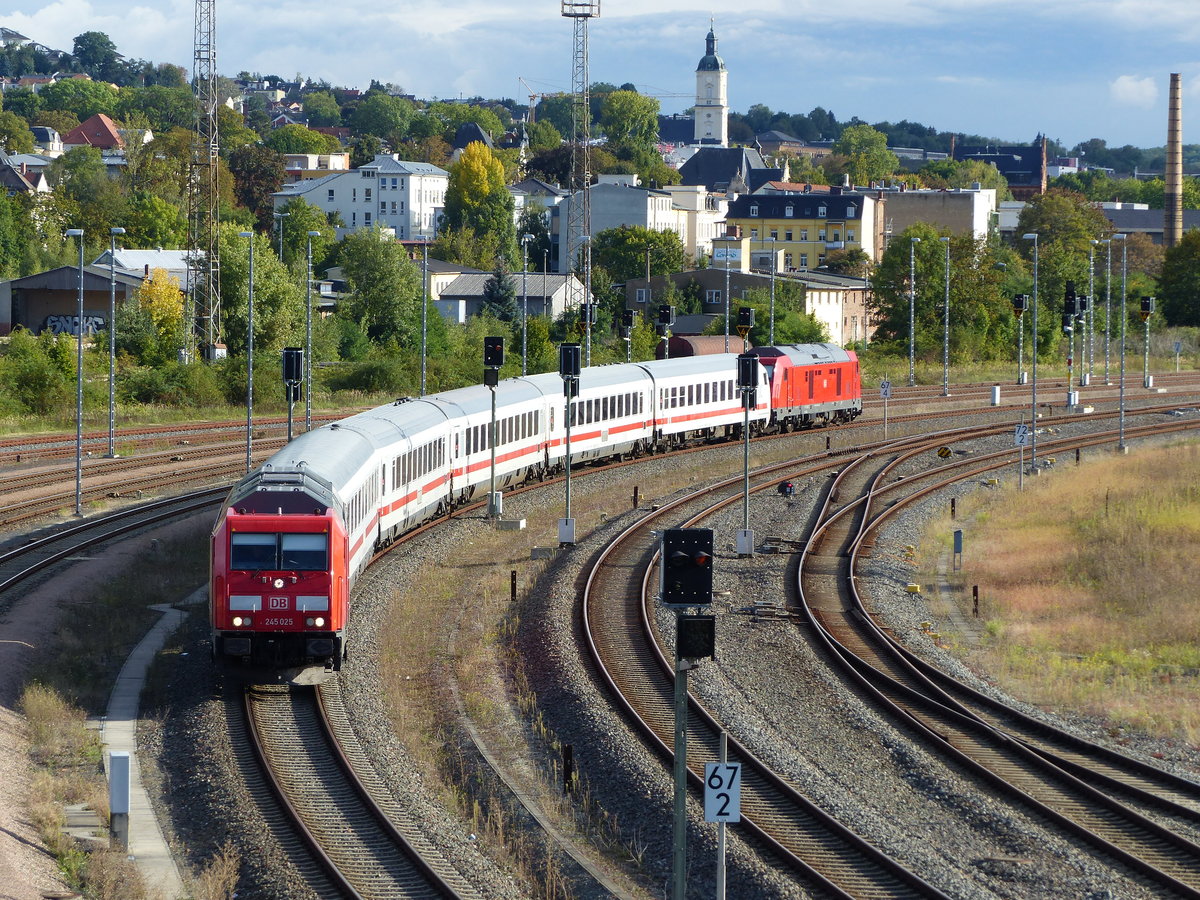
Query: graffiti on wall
x=70 y=324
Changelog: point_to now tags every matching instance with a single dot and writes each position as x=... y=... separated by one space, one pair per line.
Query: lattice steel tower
x=579 y=215
x=204 y=313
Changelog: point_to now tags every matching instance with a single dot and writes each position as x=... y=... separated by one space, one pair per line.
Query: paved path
x=146 y=843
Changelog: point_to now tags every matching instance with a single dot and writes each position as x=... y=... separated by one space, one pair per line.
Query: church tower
x=712 y=96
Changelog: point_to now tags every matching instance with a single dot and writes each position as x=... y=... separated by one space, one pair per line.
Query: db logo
x=277 y=603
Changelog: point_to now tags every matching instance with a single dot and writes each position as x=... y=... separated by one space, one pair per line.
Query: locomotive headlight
x=320 y=622
x=237 y=621
x=309 y=621
x=279 y=582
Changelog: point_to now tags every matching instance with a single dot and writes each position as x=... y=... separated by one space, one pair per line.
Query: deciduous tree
x=477 y=199
x=1179 y=285
x=83 y=98
x=867 y=152
x=258 y=173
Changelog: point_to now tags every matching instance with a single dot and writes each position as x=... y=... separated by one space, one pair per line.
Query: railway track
x=1072 y=784
x=329 y=812
x=638 y=673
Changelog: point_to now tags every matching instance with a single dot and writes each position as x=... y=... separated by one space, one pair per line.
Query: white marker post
x=1020 y=439
x=1178 y=348
x=885 y=394
x=722 y=803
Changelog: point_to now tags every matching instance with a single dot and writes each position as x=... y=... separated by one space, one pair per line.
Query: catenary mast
x=204 y=298
x=579 y=214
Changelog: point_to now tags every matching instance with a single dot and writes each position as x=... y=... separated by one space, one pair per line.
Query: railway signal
x=293 y=375
x=745 y=322
x=686 y=567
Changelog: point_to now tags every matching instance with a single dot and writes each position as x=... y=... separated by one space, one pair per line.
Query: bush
x=375 y=376
x=174 y=384
x=39 y=372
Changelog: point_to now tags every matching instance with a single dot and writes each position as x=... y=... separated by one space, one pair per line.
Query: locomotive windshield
x=297 y=552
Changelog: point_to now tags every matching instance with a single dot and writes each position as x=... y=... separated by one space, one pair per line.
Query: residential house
x=547 y=294
x=801 y=228
x=19 y=179
x=299 y=166
x=47 y=140
x=776 y=143
x=839 y=303
x=98 y=131
x=958 y=210
x=406 y=197
x=616 y=201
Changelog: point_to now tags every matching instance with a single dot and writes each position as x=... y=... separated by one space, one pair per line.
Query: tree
x=278 y=300
x=543 y=136
x=556 y=110
x=385 y=289
x=83 y=98
x=478 y=200
x=11 y=237
x=322 y=110
x=628 y=117
x=621 y=252
x=984 y=325
x=15 y=136
x=536 y=233
x=364 y=149
x=300 y=139
x=851 y=261
x=151 y=221
x=97 y=55
x=258 y=173
x=867 y=152
x=1179 y=285
x=954 y=173
x=163 y=107
x=24 y=102
x=301 y=217
x=381 y=115
x=81 y=178
x=233 y=130
x=500 y=296
x=60 y=120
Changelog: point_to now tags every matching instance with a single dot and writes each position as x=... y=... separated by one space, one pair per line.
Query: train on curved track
x=295 y=534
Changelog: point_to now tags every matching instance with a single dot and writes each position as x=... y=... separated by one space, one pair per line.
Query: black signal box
x=696 y=637
x=686 y=566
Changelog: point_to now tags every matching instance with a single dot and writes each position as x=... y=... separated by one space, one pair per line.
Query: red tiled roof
x=98 y=131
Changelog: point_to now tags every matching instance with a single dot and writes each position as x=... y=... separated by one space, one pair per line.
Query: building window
x=393 y=184
x=774 y=234
x=643 y=295
x=383 y=184
x=850 y=210
x=393 y=207
x=712 y=297
x=822 y=212
x=849 y=235
x=367 y=218
x=837 y=235
x=353 y=195
x=753 y=234
x=367 y=194
x=754 y=212
x=821 y=235
x=788 y=211
x=804 y=234
x=787 y=235
x=804 y=260
x=353 y=219
x=821 y=260
x=329 y=199
x=787 y=260
x=382 y=207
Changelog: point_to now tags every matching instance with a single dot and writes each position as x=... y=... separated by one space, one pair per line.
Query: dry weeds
x=1088 y=585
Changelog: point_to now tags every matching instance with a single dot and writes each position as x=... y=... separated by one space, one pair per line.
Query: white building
x=406 y=197
x=712 y=96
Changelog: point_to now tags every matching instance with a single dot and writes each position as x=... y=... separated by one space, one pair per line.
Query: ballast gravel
x=774 y=692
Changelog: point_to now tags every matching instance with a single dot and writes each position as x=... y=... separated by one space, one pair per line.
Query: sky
x=1073 y=70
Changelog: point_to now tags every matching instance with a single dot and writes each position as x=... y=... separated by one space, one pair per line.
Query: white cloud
x=1130 y=90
